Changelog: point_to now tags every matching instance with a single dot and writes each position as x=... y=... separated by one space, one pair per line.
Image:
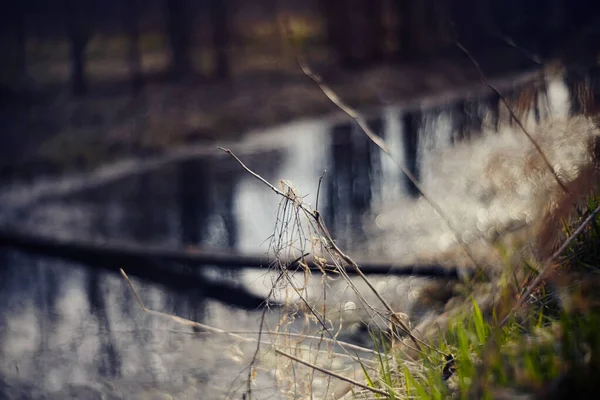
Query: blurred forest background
x=84 y=82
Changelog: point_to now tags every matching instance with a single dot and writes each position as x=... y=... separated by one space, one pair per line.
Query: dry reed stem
x=332 y=373
x=316 y=217
x=542 y=273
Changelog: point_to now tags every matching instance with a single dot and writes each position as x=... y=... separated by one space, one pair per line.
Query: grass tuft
x=549 y=349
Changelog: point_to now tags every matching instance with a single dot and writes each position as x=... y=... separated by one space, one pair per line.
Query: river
x=72 y=330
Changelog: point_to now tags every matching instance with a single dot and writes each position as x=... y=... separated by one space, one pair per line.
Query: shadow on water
x=199 y=202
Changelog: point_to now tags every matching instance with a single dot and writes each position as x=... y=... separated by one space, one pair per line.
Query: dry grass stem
x=331 y=373
x=208 y=328
x=316 y=218
x=542 y=273
x=237 y=335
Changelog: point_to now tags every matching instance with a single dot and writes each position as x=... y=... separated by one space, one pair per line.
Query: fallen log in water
x=147 y=257
x=173 y=277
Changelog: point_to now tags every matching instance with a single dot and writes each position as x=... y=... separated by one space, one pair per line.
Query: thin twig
x=180 y=320
x=526 y=52
x=542 y=274
x=336 y=341
x=254 y=174
x=331 y=373
x=319 y=190
x=260 y=332
x=514 y=117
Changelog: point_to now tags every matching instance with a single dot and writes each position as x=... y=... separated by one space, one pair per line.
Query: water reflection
x=187 y=204
x=354 y=172
x=76 y=321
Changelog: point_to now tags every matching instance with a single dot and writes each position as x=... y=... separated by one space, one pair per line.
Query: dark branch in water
x=139 y=261
x=149 y=259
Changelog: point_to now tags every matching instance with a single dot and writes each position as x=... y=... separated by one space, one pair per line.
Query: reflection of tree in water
x=350 y=183
x=195 y=209
x=109 y=364
x=206 y=200
x=46 y=289
x=26 y=280
x=5 y=295
x=411 y=127
x=467 y=116
x=146 y=208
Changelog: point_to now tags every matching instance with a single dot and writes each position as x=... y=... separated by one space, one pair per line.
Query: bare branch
x=254 y=174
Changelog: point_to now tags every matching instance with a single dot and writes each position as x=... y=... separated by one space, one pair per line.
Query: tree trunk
x=178 y=27
x=373 y=30
x=21 y=33
x=79 y=39
x=406 y=47
x=335 y=15
x=134 y=52
x=218 y=10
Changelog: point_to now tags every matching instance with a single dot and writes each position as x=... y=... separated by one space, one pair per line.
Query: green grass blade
x=480 y=327
x=367 y=377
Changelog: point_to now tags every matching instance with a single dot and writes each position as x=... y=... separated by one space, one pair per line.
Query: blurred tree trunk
x=339 y=179
x=355 y=30
x=109 y=362
x=132 y=22
x=372 y=30
x=179 y=32
x=194 y=201
x=21 y=33
x=335 y=14
x=218 y=10
x=79 y=38
x=472 y=23
x=404 y=10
